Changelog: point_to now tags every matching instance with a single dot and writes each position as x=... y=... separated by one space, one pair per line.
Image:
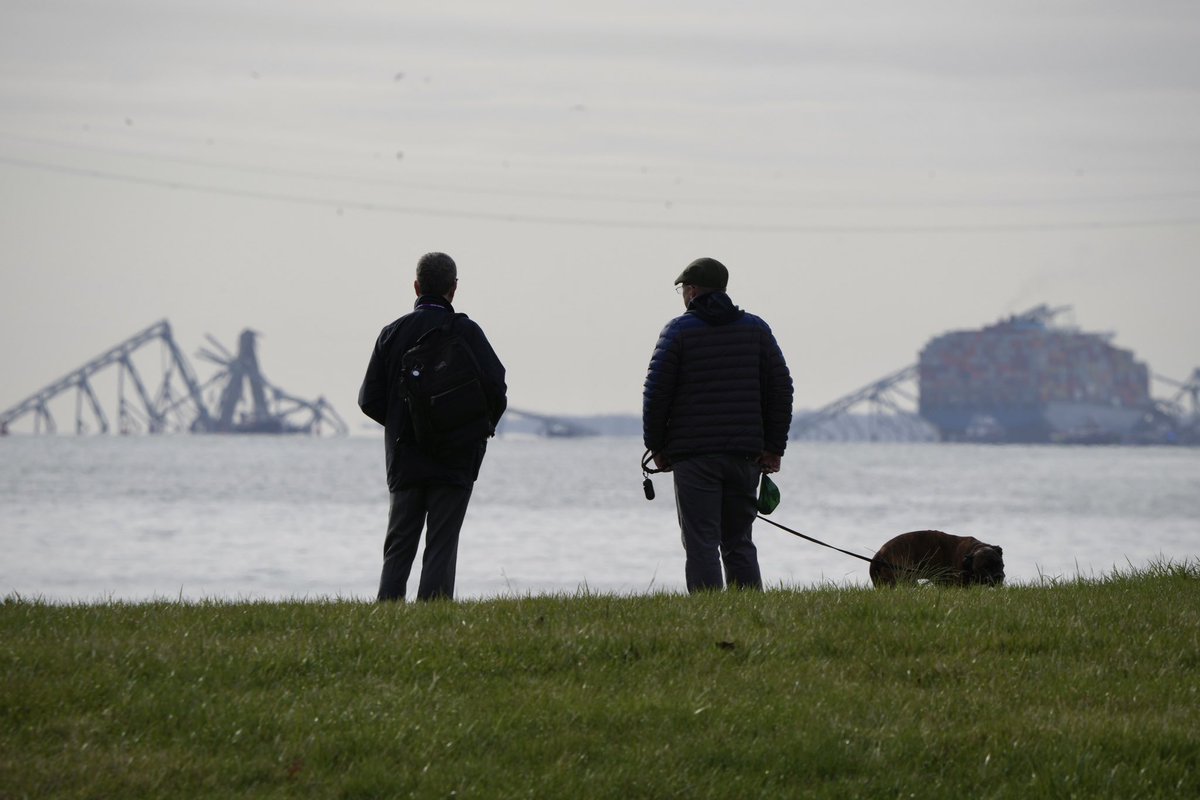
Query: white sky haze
x=872 y=173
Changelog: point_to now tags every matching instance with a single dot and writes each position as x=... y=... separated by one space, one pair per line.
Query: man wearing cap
x=716 y=408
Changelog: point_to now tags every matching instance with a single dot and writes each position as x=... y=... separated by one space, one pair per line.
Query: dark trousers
x=716 y=496
x=440 y=509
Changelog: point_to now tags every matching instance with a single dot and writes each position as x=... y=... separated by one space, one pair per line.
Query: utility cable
x=593 y=222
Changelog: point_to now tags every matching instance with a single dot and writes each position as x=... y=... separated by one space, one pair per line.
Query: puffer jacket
x=717 y=383
x=380 y=398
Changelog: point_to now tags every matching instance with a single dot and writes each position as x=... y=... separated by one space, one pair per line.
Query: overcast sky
x=872 y=173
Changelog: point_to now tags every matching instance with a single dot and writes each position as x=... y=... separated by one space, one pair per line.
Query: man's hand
x=769 y=462
x=662 y=463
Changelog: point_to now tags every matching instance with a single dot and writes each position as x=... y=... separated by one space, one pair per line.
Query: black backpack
x=440 y=382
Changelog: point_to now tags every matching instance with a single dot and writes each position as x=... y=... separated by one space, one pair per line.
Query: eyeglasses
x=679 y=287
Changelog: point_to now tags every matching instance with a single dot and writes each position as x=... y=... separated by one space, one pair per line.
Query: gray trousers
x=439 y=508
x=716 y=497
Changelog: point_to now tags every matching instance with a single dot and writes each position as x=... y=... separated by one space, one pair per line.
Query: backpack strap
x=448 y=325
x=445 y=327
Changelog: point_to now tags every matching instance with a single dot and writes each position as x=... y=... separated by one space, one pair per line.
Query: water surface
x=93 y=518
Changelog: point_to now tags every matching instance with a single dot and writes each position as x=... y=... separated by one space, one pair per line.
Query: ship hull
x=1084 y=423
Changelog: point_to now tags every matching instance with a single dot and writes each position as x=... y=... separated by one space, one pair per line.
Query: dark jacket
x=717 y=383
x=380 y=398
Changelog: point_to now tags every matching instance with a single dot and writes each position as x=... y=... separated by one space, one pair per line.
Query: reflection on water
x=250 y=517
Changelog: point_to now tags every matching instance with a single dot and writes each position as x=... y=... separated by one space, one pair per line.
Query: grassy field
x=1068 y=689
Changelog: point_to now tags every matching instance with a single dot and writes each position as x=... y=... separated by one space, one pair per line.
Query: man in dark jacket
x=429 y=488
x=716 y=408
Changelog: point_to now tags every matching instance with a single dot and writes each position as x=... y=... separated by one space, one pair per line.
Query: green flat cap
x=706 y=272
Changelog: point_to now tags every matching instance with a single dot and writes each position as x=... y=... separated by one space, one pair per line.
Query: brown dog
x=939 y=558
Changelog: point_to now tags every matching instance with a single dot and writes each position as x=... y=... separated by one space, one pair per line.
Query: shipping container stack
x=1019 y=365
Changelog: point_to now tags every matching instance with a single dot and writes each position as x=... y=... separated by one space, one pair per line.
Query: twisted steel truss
x=175 y=402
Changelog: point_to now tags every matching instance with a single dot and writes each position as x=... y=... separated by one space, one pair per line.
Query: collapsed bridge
x=164 y=395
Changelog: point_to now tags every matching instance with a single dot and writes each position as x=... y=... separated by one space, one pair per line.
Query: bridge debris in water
x=242 y=399
x=546 y=425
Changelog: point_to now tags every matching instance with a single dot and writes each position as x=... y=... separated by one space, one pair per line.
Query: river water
x=86 y=519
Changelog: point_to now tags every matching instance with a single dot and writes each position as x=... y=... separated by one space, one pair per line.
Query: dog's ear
x=999 y=550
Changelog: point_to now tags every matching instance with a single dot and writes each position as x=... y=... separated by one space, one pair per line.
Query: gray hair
x=436 y=273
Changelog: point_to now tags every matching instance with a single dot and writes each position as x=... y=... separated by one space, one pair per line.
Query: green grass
x=1064 y=689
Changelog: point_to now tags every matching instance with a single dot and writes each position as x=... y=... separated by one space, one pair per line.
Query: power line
x=326 y=176
x=658 y=201
x=544 y=219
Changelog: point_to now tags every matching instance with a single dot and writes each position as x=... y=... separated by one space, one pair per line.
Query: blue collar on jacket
x=433 y=301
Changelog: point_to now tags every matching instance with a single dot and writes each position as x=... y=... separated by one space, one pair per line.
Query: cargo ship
x=1028 y=379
